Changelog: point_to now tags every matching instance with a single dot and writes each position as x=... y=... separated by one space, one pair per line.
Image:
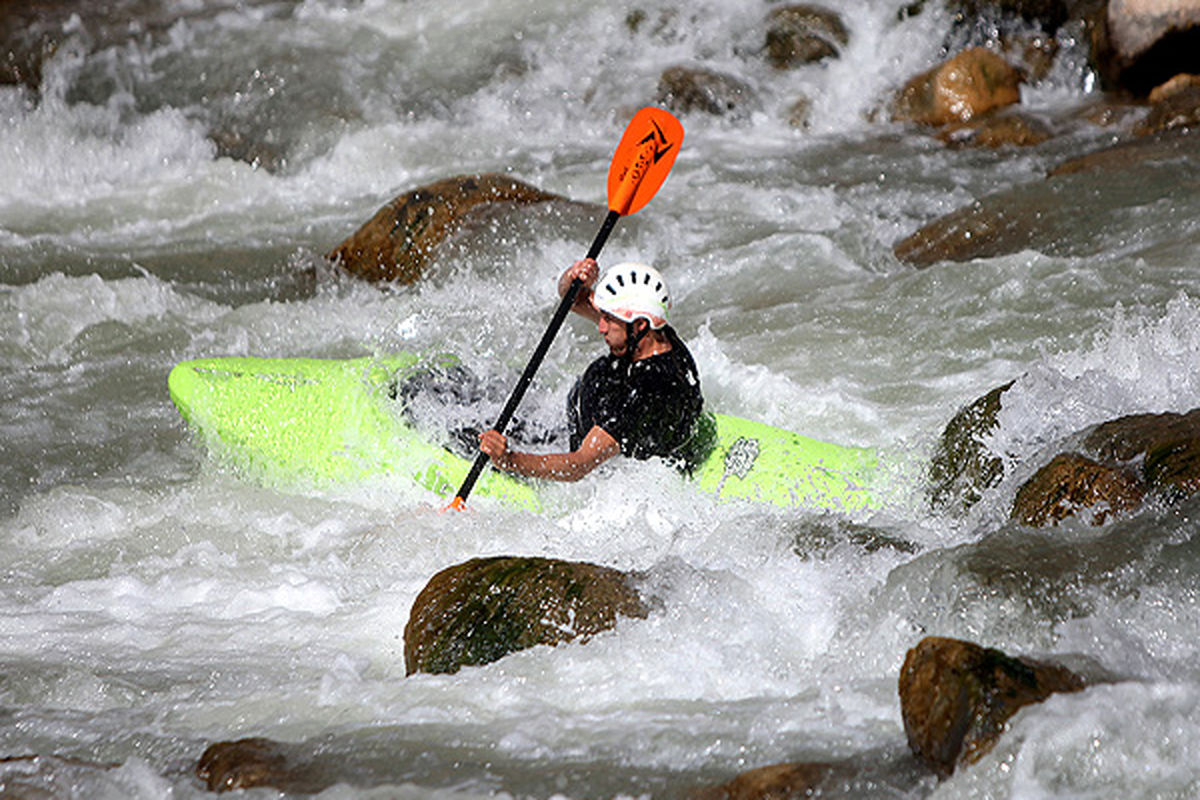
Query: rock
x=1072 y=483
x=398 y=242
x=802 y=34
x=956 y=696
x=1176 y=84
x=241 y=764
x=799 y=113
x=1180 y=109
x=1166 y=445
x=1123 y=460
x=1033 y=216
x=1049 y=13
x=997 y=130
x=685 y=89
x=481 y=610
x=1145 y=42
x=970 y=83
x=962 y=468
x=776 y=782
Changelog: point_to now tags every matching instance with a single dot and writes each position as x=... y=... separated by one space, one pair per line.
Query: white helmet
x=630 y=291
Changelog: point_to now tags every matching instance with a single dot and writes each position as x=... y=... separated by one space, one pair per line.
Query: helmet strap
x=633 y=338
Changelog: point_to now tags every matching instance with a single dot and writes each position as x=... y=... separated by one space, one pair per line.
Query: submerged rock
x=767 y=783
x=481 y=610
x=956 y=696
x=803 y=34
x=1048 y=215
x=997 y=130
x=242 y=764
x=971 y=83
x=398 y=242
x=686 y=89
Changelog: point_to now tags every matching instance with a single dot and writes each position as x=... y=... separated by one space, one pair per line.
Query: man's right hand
x=495 y=445
x=586 y=271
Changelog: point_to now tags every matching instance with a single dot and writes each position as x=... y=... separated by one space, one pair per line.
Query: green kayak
x=338 y=421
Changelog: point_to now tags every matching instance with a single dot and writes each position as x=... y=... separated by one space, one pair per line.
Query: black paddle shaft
x=556 y=322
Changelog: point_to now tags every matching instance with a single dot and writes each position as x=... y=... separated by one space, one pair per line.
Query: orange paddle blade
x=643 y=159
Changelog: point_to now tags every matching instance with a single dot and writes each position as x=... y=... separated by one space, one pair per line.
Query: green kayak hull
x=337 y=421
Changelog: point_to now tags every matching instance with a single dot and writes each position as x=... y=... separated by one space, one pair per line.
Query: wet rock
x=962 y=467
x=1047 y=215
x=1048 y=13
x=242 y=764
x=1145 y=42
x=686 y=89
x=956 y=696
x=803 y=34
x=800 y=113
x=398 y=242
x=1174 y=144
x=1177 y=110
x=776 y=782
x=1072 y=483
x=1166 y=445
x=998 y=130
x=969 y=84
x=1123 y=461
x=481 y=610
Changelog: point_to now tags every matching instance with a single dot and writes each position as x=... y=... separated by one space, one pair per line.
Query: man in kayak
x=642 y=399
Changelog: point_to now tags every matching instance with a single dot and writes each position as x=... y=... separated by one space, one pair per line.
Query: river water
x=155 y=601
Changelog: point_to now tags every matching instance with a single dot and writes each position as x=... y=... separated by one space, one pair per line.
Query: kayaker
x=641 y=399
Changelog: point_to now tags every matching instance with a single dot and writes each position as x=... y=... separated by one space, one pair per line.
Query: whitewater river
x=154 y=601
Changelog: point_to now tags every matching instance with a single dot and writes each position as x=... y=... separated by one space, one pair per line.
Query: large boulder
x=962 y=467
x=1073 y=483
x=969 y=84
x=481 y=610
x=685 y=89
x=1122 y=461
x=956 y=696
x=1145 y=42
x=398 y=242
x=802 y=34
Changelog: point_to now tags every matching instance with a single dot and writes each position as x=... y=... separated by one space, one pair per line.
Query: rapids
x=154 y=601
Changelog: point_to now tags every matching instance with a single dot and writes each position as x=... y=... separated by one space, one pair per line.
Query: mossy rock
x=479 y=611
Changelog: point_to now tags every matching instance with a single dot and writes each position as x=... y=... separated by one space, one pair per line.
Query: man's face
x=613 y=331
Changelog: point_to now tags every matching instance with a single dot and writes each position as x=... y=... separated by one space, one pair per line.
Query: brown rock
x=1072 y=483
x=1167 y=445
x=955 y=697
x=241 y=764
x=970 y=83
x=398 y=242
x=776 y=782
x=1176 y=84
x=1145 y=42
x=962 y=468
x=479 y=611
x=997 y=130
x=686 y=89
x=803 y=34
x=1179 y=109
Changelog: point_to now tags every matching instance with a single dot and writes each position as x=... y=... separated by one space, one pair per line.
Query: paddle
x=639 y=166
